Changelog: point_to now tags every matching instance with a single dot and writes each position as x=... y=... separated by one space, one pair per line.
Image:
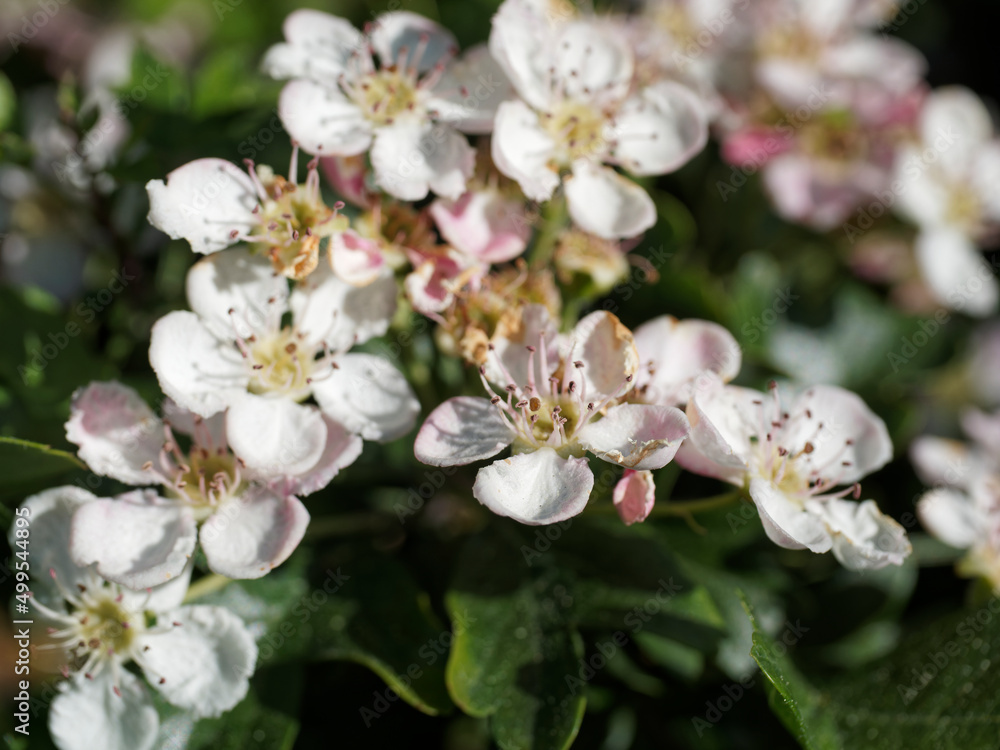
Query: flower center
x=578 y=130
x=964 y=209
x=105 y=625
x=281 y=365
x=386 y=94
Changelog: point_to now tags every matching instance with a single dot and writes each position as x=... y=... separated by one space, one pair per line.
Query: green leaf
x=8 y=102
x=515 y=657
x=939 y=689
x=251 y=724
x=222 y=84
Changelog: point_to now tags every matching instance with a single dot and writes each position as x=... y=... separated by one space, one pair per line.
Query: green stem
x=207 y=585
x=674 y=508
x=554 y=214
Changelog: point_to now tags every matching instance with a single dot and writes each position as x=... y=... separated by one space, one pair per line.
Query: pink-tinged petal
x=412 y=158
x=317 y=46
x=327 y=309
x=347 y=175
x=116 y=431
x=50 y=522
x=787 y=523
x=535 y=488
x=849 y=441
x=863 y=537
x=634 y=496
x=637 y=436
x=356 y=260
x=109 y=713
x=369 y=396
x=531 y=325
x=137 y=539
x=275 y=437
x=342 y=449
x=805 y=192
x=983 y=428
x=953 y=517
x=674 y=354
x=460 y=431
x=484 y=224
x=428 y=285
x=948 y=462
x=604 y=203
x=756 y=147
x=203 y=202
x=252 y=533
x=235 y=280
x=660 y=129
x=198 y=371
x=954 y=270
x=322 y=120
x=203 y=664
x=522 y=150
x=470 y=90
x=608 y=355
x=188 y=423
x=398 y=35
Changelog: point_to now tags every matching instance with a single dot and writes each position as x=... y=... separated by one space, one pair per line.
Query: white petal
x=137 y=539
x=275 y=436
x=328 y=309
x=924 y=196
x=863 y=537
x=786 y=523
x=470 y=90
x=116 y=431
x=50 y=522
x=852 y=442
x=604 y=203
x=322 y=120
x=985 y=179
x=530 y=325
x=341 y=450
x=317 y=46
x=369 y=396
x=634 y=496
x=411 y=158
x=203 y=202
x=660 y=129
x=955 y=116
x=521 y=43
x=941 y=461
x=535 y=488
x=522 y=150
x=356 y=260
x=198 y=371
x=721 y=419
x=401 y=32
x=87 y=714
x=188 y=423
x=674 y=353
x=956 y=273
x=238 y=281
x=983 y=428
x=460 y=431
x=593 y=61
x=252 y=533
x=205 y=662
x=607 y=352
x=953 y=517
x=159 y=598
x=638 y=436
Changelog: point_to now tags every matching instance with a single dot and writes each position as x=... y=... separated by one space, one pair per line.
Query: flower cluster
x=439 y=166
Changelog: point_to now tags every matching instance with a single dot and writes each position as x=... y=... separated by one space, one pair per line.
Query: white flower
x=964 y=508
x=250 y=519
x=675 y=354
x=407 y=110
x=792 y=459
x=577 y=112
x=213 y=204
x=199 y=658
x=234 y=352
x=952 y=176
x=555 y=409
